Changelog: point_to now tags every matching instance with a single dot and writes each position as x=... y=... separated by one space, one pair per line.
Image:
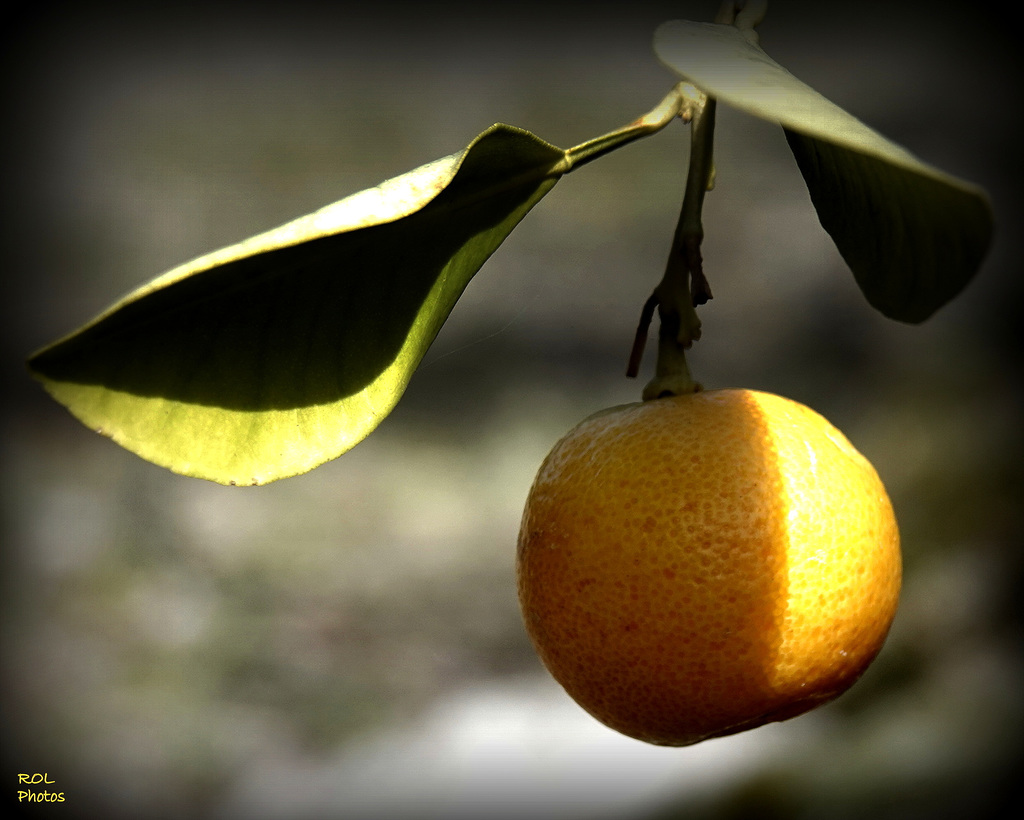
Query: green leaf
x=267 y=358
x=913 y=235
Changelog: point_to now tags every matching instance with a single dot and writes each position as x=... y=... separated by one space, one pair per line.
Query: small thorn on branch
x=700 y=290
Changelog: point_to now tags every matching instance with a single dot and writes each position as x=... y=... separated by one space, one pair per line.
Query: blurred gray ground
x=348 y=643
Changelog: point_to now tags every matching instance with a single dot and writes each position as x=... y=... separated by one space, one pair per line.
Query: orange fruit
x=694 y=566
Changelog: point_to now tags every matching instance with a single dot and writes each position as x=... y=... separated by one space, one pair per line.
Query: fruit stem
x=743 y=15
x=683 y=286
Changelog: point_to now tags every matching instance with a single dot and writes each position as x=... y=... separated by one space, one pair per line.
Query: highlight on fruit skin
x=695 y=566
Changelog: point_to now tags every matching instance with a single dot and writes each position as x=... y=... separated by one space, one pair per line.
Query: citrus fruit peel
x=694 y=566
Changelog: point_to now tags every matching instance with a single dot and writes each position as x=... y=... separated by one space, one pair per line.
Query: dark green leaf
x=269 y=357
x=912 y=235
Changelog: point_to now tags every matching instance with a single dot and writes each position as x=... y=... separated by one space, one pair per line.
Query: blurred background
x=348 y=643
